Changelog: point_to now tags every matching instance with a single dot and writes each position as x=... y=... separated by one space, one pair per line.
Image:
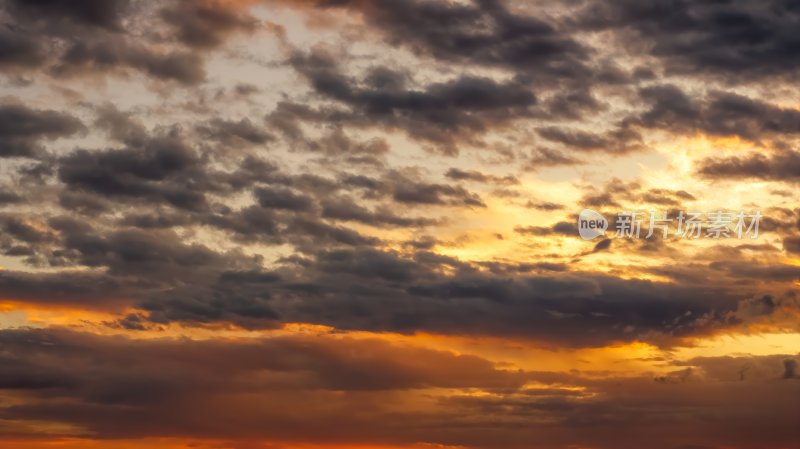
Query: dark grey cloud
x=235 y=299
x=666 y=197
x=108 y=55
x=161 y=170
x=84 y=203
x=564 y=228
x=65 y=38
x=620 y=140
x=616 y=192
x=411 y=192
x=308 y=234
x=362 y=288
x=573 y=104
x=476 y=176
x=22 y=129
x=602 y=245
x=278 y=198
x=544 y=205
x=24 y=229
x=717 y=113
x=152 y=255
x=68 y=288
x=121 y=126
x=410 y=187
x=9 y=197
x=340 y=278
x=581 y=310
x=792 y=244
x=736 y=40
x=782 y=165
x=304 y=229
x=548 y=157
x=156 y=220
x=248 y=224
x=337 y=145
x=235 y=133
x=483 y=32
x=98 y=13
x=205 y=24
x=368 y=264
x=19 y=50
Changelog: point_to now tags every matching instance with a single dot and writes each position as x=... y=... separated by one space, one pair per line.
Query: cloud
x=792 y=244
x=476 y=176
x=97 y=13
x=19 y=50
x=561 y=228
x=22 y=129
x=573 y=309
x=716 y=113
x=115 y=387
x=448 y=31
x=735 y=41
x=783 y=165
x=104 y=56
x=235 y=133
x=154 y=171
x=272 y=198
x=205 y=24
x=66 y=288
x=617 y=193
x=410 y=192
x=602 y=245
x=617 y=141
x=345 y=282
x=544 y=205
x=102 y=38
x=437 y=113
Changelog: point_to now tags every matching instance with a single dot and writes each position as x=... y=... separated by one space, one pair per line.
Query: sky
x=355 y=224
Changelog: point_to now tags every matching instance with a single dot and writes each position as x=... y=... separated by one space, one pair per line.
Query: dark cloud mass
x=718 y=113
x=21 y=129
x=19 y=50
x=782 y=166
x=162 y=388
x=98 y=13
x=461 y=32
x=728 y=39
x=87 y=36
x=205 y=24
x=438 y=112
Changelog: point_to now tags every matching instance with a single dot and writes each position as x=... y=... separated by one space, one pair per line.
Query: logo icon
x=591 y=224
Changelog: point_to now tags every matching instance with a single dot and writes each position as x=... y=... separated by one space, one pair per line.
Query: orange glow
x=177 y=443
